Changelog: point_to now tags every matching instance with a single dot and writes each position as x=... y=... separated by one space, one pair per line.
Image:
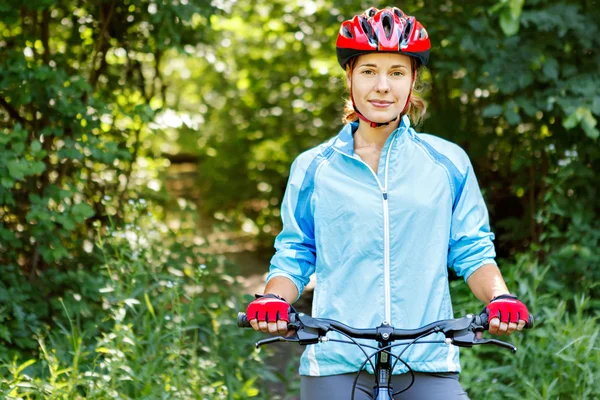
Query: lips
x=380 y=103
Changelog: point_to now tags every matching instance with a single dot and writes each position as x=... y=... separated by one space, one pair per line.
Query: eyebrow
x=376 y=66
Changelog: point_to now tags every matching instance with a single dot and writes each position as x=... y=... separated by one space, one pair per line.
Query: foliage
x=559 y=358
x=80 y=84
x=514 y=83
x=162 y=325
x=95 y=95
x=524 y=105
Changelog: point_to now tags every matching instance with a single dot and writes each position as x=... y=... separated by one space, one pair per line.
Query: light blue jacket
x=381 y=244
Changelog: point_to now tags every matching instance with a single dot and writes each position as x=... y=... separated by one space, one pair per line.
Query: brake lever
x=304 y=335
x=497 y=343
x=469 y=339
x=277 y=339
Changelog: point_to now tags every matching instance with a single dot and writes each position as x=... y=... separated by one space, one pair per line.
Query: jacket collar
x=344 y=141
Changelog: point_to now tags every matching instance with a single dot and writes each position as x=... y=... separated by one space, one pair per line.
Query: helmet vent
x=367 y=29
x=346 y=32
x=407 y=31
x=388 y=24
x=398 y=12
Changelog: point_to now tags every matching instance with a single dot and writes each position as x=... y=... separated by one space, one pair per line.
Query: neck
x=366 y=136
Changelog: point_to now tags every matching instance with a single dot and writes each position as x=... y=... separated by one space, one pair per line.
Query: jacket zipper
x=386 y=229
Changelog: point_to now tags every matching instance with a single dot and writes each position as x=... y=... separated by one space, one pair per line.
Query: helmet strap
x=412 y=85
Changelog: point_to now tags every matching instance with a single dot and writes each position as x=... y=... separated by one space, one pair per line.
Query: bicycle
x=461 y=332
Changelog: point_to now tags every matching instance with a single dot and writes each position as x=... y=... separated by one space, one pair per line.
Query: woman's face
x=380 y=84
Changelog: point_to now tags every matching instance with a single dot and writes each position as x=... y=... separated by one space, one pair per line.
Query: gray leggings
x=429 y=386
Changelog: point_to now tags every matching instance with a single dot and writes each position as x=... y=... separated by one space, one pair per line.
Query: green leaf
x=18 y=147
x=550 y=69
x=82 y=211
x=149 y=304
x=516 y=8
x=67 y=222
x=525 y=79
x=36 y=146
x=493 y=110
x=37 y=167
x=5 y=138
x=23 y=366
x=512 y=117
x=571 y=121
x=588 y=123
x=583 y=116
x=7 y=182
x=5 y=334
x=16 y=169
x=103 y=350
x=510 y=17
x=596 y=105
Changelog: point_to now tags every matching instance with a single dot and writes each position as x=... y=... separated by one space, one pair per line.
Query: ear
x=348 y=77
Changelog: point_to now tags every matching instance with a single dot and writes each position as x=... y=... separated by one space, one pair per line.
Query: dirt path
x=253 y=268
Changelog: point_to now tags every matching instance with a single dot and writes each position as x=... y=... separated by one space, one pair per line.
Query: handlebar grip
x=530 y=323
x=242 y=320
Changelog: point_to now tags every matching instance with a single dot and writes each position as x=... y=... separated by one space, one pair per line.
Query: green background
x=144 y=151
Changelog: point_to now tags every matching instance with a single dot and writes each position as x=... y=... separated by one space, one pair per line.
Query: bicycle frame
x=383 y=389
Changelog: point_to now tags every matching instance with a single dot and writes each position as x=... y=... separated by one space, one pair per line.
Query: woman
x=380 y=212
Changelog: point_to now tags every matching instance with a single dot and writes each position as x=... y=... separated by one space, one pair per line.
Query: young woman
x=379 y=213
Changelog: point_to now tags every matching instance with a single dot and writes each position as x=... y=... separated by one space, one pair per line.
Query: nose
x=383 y=86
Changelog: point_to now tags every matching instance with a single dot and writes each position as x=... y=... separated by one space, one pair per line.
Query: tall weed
x=558 y=358
x=160 y=324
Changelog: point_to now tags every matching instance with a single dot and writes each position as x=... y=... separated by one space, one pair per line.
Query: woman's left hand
x=506 y=314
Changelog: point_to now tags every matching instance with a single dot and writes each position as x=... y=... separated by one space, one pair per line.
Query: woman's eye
x=367 y=72
x=397 y=73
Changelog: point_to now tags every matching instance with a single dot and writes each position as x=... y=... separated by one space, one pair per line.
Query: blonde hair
x=416 y=107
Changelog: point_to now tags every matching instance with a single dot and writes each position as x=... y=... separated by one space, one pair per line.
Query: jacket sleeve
x=295 y=245
x=470 y=245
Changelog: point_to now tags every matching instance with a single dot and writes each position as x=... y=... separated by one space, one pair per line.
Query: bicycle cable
x=356 y=343
x=369 y=359
x=389 y=347
x=400 y=359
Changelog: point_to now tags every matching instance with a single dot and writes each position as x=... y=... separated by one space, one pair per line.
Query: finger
x=521 y=325
x=503 y=328
x=272 y=327
x=478 y=335
x=494 y=325
x=282 y=327
x=511 y=328
x=262 y=325
x=254 y=324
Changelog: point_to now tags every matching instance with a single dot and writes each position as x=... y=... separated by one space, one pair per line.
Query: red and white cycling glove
x=268 y=307
x=507 y=308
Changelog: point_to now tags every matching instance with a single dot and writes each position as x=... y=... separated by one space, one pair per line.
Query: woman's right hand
x=269 y=313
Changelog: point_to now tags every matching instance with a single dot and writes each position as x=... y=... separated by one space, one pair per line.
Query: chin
x=378 y=118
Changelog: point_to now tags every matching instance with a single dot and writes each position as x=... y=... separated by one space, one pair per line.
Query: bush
x=155 y=318
x=559 y=358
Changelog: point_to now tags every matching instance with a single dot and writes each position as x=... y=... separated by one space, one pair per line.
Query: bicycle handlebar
x=399 y=334
x=460 y=331
x=463 y=332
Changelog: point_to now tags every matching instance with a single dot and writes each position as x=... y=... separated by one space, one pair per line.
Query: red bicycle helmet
x=388 y=30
